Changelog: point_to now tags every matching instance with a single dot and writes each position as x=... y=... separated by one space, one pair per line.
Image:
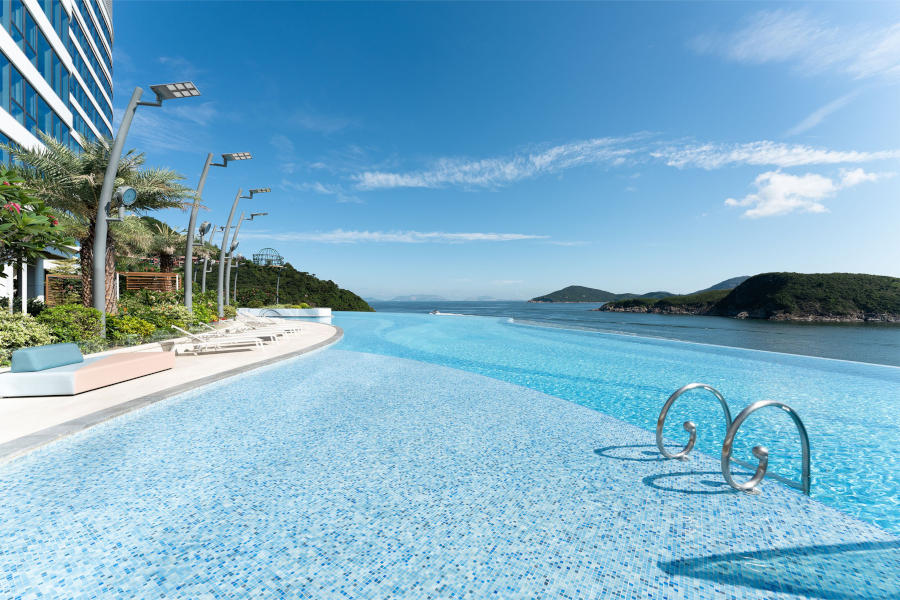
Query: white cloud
x=324 y=189
x=318 y=122
x=493 y=172
x=781 y=193
x=341 y=236
x=820 y=114
x=714 y=156
x=810 y=44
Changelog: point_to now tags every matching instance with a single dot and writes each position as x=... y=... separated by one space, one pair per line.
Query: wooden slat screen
x=161 y=282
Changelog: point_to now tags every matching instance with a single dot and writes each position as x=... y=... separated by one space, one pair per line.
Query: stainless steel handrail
x=762 y=453
x=689 y=426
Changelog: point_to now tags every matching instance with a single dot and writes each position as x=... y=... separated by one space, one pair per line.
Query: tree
x=165 y=242
x=70 y=182
x=28 y=228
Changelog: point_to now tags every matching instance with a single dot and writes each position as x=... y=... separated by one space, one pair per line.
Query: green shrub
x=127 y=328
x=97 y=344
x=203 y=313
x=255 y=304
x=20 y=331
x=229 y=311
x=72 y=322
x=160 y=309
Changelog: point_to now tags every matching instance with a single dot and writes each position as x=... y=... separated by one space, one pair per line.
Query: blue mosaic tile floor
x=350 y=475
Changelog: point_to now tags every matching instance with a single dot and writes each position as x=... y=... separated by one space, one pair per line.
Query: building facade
x=56 y=77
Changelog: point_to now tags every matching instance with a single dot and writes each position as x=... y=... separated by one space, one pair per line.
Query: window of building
x=4 y=154
x=27 y=106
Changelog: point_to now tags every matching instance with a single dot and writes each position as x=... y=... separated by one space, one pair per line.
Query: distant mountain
x=728 y=284
x=578 y=293
x=830 y=297
x=419 y=298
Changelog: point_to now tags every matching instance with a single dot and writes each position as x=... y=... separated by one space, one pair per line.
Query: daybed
x=61 y=370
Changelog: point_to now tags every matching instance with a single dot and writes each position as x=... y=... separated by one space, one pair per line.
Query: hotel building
x=55 y=78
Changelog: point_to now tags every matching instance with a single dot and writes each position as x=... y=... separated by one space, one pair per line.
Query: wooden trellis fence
x=64 y=289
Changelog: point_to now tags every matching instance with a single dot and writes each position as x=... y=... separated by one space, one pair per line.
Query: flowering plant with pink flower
x=28 y=230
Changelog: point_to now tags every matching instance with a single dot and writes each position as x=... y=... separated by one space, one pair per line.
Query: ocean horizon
x=875 y=343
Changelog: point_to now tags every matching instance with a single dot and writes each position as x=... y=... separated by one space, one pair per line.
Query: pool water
x=850 y=409
x=350 y=475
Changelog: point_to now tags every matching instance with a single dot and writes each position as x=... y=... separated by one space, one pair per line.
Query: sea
x=877 y=343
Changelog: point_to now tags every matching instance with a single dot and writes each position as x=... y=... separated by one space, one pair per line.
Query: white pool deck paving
x=26 y=422
x=351 y=475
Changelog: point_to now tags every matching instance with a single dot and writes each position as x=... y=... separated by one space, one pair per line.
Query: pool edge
x=20 y=446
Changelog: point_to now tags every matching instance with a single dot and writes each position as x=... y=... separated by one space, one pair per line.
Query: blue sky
x=511 y=149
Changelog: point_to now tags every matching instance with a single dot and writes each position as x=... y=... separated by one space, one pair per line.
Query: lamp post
x=277 y=281
x=220 y=284
x=237 y=263
x=234 y=244
x=163 y=92
x=206 y=258
x=189 y=241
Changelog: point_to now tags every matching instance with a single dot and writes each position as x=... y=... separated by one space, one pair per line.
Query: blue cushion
x=39 y=358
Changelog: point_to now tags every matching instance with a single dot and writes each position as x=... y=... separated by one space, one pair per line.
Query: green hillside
x=786 y=296
x=256 y=287
x=578 y=293
x=771 y=295
x=697 y=303
x=728 y=284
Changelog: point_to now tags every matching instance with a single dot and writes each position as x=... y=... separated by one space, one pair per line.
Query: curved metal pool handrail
x=762 y=453
x=689 y=426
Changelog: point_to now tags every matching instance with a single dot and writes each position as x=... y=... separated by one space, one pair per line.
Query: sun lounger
x=271 y=333
x=257 y=322
x=61 y=370
x=215 y=344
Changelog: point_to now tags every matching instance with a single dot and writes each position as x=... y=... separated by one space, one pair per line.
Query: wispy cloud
x=323 y=189
x=499 y=171
x=342 y=236
x=809 y=43
x=318 y=122
x=763 y=153
x=820 y=114
x=166 y=131
x=781 y=193
x=181 y=68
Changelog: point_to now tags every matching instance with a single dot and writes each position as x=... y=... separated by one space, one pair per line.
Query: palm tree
x=165 y=242
x=70 y=182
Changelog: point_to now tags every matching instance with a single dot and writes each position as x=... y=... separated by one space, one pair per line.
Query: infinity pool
x=453 y=457
x=851 y=410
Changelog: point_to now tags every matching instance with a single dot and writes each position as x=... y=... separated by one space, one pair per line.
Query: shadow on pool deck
x=716 y=485
x=855 y=571
x=645 y=455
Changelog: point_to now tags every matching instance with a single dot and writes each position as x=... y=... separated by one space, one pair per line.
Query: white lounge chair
x=270 y=334
x=214 y=344
x=256 y=322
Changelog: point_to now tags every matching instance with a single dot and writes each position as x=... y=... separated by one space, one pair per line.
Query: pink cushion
x=121 y=367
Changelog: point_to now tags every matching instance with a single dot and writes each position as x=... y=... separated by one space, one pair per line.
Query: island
x=578 y=293
x=822 y=297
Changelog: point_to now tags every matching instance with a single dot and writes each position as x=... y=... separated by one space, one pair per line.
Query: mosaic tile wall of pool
x=850 y=409
x=352 y=475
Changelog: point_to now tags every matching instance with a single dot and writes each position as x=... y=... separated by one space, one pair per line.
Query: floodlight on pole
x=98 y=271
x=237 y=230
x=189 y=240
x=220 y=283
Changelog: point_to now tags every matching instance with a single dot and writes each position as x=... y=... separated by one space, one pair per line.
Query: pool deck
x=27 y=423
